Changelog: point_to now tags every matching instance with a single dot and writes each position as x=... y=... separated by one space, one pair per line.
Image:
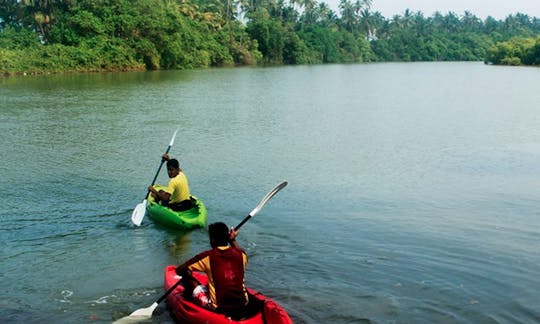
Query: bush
x=511 y=61
x=11 y=38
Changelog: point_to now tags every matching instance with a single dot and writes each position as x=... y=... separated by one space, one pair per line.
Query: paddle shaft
x=162 y=160
x=248 y=217
x=169 y=291
x=159 y=169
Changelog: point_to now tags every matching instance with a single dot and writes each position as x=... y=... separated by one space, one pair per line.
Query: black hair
x=173 y=163
x=219 y=234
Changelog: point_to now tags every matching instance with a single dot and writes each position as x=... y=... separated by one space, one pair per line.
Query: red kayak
x=264 y=309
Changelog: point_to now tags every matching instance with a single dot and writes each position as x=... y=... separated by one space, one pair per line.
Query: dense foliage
x=94 y=35
x=516 y=51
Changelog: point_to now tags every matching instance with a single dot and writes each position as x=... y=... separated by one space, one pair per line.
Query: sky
x=497 y=9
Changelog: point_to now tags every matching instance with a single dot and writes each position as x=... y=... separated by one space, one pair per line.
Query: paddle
x=145 y=313
x=140 y=210
x=263 y=202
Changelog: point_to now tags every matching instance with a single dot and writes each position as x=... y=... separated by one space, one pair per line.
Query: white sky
x=498 y=9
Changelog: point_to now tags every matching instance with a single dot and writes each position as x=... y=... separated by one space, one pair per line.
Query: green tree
x=515 y=51
x=269 y=34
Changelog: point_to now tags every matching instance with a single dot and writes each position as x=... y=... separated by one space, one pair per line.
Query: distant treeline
x=39 y=36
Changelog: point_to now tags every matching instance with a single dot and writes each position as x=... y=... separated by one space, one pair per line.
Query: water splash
x=65 y=296
x=101 y=300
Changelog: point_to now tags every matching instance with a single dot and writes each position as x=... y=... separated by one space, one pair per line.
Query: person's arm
x=232 y=239
x=159 y=195
x=154 y=193
x=198 y=263
x=164 y=196
x=181 y=269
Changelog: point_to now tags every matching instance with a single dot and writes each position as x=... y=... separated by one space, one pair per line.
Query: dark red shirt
x=224 y=266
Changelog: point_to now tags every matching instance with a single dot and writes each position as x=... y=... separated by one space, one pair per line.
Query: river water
x=413 y=191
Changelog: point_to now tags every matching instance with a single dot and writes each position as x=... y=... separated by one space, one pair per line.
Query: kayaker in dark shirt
x=224 y=265
x=177 y=195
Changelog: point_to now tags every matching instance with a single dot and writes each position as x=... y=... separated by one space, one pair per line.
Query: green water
x=413 y=189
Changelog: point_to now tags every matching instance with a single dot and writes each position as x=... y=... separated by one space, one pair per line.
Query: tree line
x=39 y=36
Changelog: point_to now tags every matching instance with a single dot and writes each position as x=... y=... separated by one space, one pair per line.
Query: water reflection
x=179 y=247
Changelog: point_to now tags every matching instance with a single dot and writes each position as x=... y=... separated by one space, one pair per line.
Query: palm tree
x=380 y=25
x=407 y=19
x=42 y=13
x=348 y=15
x=326 y=16
x=470 y=21
x=366 y=24
x=452 y=23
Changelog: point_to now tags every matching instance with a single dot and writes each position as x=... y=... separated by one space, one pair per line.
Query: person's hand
x=151 y=189
x=165 y=157
x=183 y=271
x=232 y=234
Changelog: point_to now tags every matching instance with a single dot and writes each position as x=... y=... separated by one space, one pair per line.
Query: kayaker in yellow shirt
x=177 y=195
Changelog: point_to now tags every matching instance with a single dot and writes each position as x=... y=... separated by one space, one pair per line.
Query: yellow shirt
x=178 y=187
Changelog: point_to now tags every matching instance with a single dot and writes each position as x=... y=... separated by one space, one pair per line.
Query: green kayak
x=187 y=219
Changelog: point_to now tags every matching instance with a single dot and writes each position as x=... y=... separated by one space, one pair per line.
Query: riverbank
x=57 y=59
x=40 y=72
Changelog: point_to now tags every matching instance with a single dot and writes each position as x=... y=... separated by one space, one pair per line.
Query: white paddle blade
x=145 y=311
x=138 y=213
x=263 y=202
x=138 y=315
x=268 y=196
x=172 y=139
